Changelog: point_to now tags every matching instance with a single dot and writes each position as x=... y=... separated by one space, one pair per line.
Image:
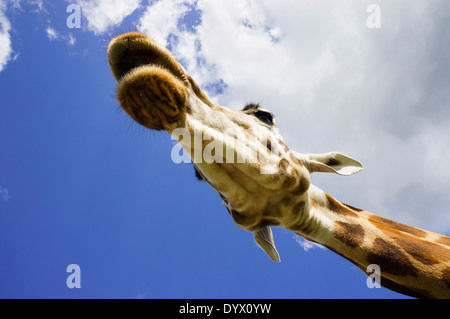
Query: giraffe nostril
x=132 y=51
x=140 y=62
x=123 y=60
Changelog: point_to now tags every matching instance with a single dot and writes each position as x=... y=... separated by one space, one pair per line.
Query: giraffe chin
x=153 y=97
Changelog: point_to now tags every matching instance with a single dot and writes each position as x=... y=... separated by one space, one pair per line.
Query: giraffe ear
x=264 y=238
x=332 y=162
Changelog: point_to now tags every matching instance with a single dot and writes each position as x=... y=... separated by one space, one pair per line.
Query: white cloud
x=38 y=4
x=306 y=244
x=104 y=14
x=52 y=34
x=6 y=50
x=4 y=194
x=161 y=18
x=71 y=40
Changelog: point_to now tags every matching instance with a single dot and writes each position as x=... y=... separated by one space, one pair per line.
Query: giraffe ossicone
x=262 y=182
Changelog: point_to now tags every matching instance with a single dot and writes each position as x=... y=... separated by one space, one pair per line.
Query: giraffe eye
x=265 y=117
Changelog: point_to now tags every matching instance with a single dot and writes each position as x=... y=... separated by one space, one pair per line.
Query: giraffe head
x=239 y=153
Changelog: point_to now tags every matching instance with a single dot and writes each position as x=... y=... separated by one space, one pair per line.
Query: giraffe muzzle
x=152 y=85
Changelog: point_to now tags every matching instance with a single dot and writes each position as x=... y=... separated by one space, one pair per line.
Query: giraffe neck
x=412 y=261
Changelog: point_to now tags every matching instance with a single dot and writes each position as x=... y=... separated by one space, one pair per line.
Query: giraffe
x=272 y=185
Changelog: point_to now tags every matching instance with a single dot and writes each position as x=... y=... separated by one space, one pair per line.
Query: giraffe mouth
x=152 y=85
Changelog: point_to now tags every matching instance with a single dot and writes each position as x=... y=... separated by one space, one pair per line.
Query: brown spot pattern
x=269 y=144
x=339 y=208
x=284 y=164
x=353 y=208
x=391 y=259
x=294 y=159
x=286 y=200
x=409 y=239
x=241 y=219
x=303 y=186
x=350 y=234
x=425 y=252
x=286 y=148
x=386 y=225
x=290 y=179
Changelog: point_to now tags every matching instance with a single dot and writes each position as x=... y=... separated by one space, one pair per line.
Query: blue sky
x=80 y=183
